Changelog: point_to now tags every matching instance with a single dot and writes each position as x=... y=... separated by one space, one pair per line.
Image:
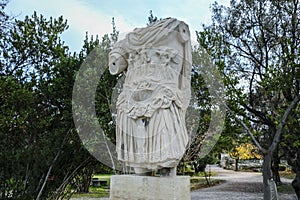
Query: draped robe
x=151 y=131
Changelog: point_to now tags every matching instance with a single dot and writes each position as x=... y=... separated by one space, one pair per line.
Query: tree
x=232 y=134
x=23 y=114
x=291 y=145
x=261 y=69
x=198 y=117
x=244 y=151
x=41 y=152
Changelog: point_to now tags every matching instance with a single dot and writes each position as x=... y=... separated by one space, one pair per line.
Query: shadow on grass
x=200 y=182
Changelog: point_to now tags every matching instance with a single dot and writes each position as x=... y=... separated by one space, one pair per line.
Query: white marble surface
x=133 y=187
x=151 y=131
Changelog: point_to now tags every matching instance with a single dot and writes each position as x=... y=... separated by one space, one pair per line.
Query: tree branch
x=52 y=164
x=259 y=114
x=71 y=175
x=282 y=123
x=248 y=131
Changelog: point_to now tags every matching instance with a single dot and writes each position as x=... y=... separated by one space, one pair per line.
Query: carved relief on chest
x=155 y=64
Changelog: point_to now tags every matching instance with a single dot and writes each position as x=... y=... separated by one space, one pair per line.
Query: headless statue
x=151 y=133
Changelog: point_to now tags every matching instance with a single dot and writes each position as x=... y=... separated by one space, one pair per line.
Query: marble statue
x=151 y=133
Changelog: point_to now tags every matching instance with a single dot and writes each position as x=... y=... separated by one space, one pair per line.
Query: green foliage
x=201 y=163
x=40 y=151
x=261 y=69
x=212 y=41
x=31 y=118
x=255 y=76
x=291 y=141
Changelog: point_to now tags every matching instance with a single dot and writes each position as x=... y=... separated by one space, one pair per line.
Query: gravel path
x=238 y=186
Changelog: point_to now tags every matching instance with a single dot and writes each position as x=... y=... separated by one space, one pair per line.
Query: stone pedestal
x=133 y=187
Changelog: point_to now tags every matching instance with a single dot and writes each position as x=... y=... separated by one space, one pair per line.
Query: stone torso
x=151 y=81
x=150 y=123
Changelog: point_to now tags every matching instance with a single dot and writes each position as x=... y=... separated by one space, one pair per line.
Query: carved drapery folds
x=151 y=132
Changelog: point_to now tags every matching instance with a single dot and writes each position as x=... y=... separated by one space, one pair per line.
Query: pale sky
x=94 y=16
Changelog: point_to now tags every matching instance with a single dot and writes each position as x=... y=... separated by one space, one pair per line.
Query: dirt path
x=238 y=186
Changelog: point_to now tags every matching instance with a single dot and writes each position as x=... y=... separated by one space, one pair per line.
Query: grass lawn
x=103 y=176
x=286 y=188
x=96 y=192
x=200 y=182
x=287 y=174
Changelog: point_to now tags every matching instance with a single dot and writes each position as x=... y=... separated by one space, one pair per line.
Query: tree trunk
x=237 y=164
x=183 y=168
x=296 y=184
x=85 y=180
x=296 y=181
x=270 y=191
x=275 y=167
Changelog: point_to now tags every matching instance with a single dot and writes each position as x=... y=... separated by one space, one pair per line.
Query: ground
x=237 y=186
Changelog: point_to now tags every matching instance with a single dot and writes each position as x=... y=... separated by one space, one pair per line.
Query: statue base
x=134 y=187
